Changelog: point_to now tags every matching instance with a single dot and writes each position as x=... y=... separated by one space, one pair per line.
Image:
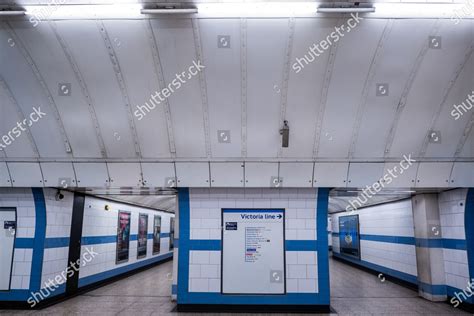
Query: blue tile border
x=469 y=228
x=38 y=243
x=183 y=250
x=301 y=245
x=322 y=204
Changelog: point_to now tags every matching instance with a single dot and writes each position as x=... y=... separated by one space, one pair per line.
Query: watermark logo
x=61 y=278
x=462 y=296
x=381 y=90
x=223 y=41
x=465 y=11
x=464 y=107
x=223 y=136
x=434 y=42
x=317 y=49
x=375 y=188
x=159 y=96
x=20 y=127
x=64 y=89
x=44 y=12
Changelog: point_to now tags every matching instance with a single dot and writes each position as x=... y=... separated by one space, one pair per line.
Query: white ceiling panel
x=224 y=96
x=468 y=147
x=5 y=180
x=261 y=174
x=354 y=56
x=58 y=174
x=397 y=177
x=434 y=174
x=304 y=87
x=55 y=69
x=175 y=43
x=296 y=174
x=142 y=82
x=21 y=146
x=91 y=174
x=125 y=174
x=227 y=174
x=97 y=70
x=397 y=57
x=330 y=174
x=25 y=174
x=427 y=91
x=192 y=174
x=363 y=174
x=159 y=174
x=20 y=78
x=462 y=175
x=266 y=44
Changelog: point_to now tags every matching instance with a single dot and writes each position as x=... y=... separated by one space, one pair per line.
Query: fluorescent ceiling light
x=346 y=10
x=106 y=11
x=257 y=9
x=12 y=12
x=170 y=11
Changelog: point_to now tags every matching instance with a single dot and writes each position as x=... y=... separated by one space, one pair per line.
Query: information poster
x=142 y=235
x=253 y=256
x=349 y=239
x=156 y=233
x=171 y=233
x=123 y=236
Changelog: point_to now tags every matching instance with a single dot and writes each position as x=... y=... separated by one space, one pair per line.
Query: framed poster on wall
x=142 y=235
x=156 y=233
x=171 y=233
x=349 y=237
x=123 y=236
x=253 y=251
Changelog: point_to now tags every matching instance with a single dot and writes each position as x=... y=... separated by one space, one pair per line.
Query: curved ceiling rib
x=53 y=107
x=368 y=85
x=243 y=85
x=122 y=84
x=406 y=91
x=161 y=81
x=83 y=84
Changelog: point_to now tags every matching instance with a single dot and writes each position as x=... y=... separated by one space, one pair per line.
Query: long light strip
x=251 y=10
x=12 y=13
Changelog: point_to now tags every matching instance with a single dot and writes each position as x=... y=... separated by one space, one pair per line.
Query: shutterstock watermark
x=466 y=10
x=44 y=12
x=159 y=96
x=52 y=285
x=375 y=188
x=456 y=300
x=466 y=105
x=20 y=127
x=317 y=49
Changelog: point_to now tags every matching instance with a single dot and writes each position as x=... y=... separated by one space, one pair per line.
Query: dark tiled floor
x=353 y=292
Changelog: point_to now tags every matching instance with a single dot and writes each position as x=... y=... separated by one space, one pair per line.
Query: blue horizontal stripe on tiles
x=429 y=243
x=394 y=273
x=198 y=244
x=390 y=239
x=58 y=242
x=459 y=244
x=15 y=295
x=286 y=299
x=117 y=271
x=253 y=211
x=133 y=237
x=23 y=243
x=433 y=289
x=301 y=245
x=335 y=234
x=150 y=236
x=459 y=294
x=94 y=240
x=164 y=235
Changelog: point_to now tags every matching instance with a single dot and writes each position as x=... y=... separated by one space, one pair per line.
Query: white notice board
x=253 y=251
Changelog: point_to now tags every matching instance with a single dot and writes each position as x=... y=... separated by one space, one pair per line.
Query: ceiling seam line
x=324 y=93
x=122 y=84
x=85 y=91
x=285 y=77
x=161 y=81
x=368 y=83
x=44 y=86
x=408 y=86
x=203 y=87
x=21 y=116
x=243 y=85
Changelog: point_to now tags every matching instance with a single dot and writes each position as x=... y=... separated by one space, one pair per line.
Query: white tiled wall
x=206 y=205
x=22 y=200
x=99 y=222
x=301 y=271
x=451 y=207
x=392 y=219
x=204 y=271
x=58 y=220
x=205 y=216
